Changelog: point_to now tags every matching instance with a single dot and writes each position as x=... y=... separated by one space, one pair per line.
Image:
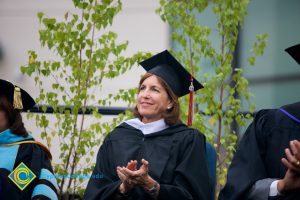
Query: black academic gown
x=43 y=187
x=176 y=158
x=260 y=151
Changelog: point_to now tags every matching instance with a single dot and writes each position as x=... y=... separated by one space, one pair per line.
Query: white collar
x=147 y=128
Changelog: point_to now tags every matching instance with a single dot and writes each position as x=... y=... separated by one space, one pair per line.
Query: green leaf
x=40 y=16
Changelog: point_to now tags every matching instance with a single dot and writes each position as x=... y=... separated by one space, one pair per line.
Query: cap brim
x=294 y=51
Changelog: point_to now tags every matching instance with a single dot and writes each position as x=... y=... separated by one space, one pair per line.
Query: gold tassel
x=17 y=98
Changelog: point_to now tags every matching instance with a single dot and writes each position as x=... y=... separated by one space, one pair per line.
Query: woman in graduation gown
x=154 y=156
x=25 y=167
x=267 y=162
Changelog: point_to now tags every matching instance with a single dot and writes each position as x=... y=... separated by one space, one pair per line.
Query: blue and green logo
x=22 y=176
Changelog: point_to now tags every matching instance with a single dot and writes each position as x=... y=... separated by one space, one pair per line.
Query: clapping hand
x=291 y=180
x=126 y=184
x=131 y=177
x=293 y=157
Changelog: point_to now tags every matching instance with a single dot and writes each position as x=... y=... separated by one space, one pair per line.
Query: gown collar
x=7 y=137
x=148 y=128
x=292 y=111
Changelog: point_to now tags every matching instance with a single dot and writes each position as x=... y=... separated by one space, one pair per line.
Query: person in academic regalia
x=154 y=156
x=19 y=152
x=266 y=164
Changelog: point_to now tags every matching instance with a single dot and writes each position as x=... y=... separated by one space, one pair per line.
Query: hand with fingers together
x=138 y=177
x=291 y=180
x=127 y=184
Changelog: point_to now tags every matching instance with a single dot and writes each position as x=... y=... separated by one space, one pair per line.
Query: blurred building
x=137 y=23
x=275 y=80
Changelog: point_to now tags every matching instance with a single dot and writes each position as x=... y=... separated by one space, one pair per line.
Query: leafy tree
x=86 y=55
x=225 y=87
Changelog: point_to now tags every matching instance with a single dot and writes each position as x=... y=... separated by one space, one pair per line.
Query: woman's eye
x=142 y=87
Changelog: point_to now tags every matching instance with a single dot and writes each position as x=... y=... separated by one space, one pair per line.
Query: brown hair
x=171 y=116
x=14 y=118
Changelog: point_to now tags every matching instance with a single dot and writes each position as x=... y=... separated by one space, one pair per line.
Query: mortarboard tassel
x=17 y=98
x=191 y=105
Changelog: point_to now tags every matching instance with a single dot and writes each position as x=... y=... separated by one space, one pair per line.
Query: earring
x=169 y=107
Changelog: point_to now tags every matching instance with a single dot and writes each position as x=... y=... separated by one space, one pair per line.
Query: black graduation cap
x=294 y=51
x=170 y=70
x=16 y=95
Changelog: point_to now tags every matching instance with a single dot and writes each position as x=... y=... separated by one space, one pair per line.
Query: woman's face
x=152 y=100
x=3 y=121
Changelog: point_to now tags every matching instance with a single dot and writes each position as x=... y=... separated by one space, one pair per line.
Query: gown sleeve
x=43 y=186
x=260 y=190
x=247 y=166
x=46 y=185
x=191 y=178
x=102 y=184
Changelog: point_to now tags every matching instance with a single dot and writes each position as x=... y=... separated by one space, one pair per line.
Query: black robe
x=176 y=158
x=260 y=151
x=43 y=187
